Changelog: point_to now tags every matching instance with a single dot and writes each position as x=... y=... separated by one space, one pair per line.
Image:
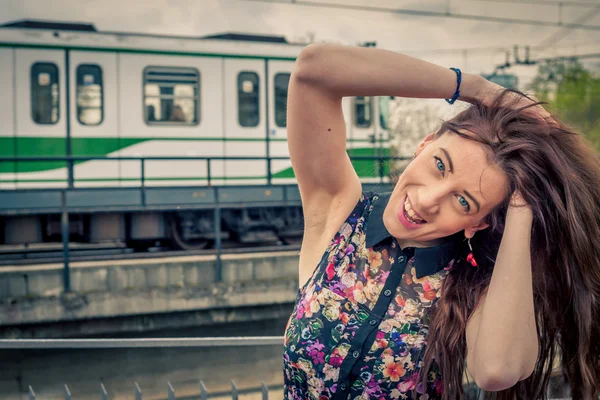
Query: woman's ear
x=470 y=231
x=426 y=140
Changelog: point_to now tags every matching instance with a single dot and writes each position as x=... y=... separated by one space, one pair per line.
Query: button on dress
x=360 y=323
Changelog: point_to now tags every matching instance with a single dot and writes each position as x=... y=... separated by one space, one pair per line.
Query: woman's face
x=448 y=187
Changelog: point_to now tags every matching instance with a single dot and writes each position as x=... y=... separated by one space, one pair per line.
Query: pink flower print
x=409 y=384
x=383 y=276
x=308 y=306
x=300 y=310
x=330 y=271
x=426 y=286
x=315 y=346
x=336 y=360
x=318 y=357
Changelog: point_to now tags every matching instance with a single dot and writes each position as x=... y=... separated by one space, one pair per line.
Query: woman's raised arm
x=366 y=71
x=324 y=74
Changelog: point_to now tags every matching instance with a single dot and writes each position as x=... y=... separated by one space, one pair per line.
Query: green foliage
x=573 y=93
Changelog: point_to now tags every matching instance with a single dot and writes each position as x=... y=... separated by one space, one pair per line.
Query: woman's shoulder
x=358 y=216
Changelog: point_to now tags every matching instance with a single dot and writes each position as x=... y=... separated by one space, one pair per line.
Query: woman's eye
x=440 y=165
x=442 y=168
x=463 y=202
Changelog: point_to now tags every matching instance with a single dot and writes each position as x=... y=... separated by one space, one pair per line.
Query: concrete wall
x=107 y=289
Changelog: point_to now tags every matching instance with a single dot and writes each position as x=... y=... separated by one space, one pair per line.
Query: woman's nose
x=429 y=199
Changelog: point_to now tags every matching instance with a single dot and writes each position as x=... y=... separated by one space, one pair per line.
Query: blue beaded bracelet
x=458 y=80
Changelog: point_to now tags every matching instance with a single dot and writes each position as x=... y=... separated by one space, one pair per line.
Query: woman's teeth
x=410 y=214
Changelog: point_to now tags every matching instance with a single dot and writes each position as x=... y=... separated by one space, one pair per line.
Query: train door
x=93 y=116
x=170 y=106
x=279 y=78
x=245 y=120
x=41 y=117
x=7 y=116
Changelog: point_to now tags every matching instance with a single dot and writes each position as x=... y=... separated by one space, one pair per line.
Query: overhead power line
x=527 y=61
x=437 y=14
x=496 y=49
x=566 y=31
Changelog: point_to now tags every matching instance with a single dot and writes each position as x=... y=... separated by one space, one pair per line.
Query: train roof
x=82 y=35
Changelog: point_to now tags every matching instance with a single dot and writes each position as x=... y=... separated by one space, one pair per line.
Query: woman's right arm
x=324 y=74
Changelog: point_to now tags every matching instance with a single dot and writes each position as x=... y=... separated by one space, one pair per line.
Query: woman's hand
x=519 y=210
x=517 y=200
x=489 y=91
x=482 y=90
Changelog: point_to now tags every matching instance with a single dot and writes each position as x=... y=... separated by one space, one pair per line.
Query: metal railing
x=94 y=344
x=171 y=393
x=31 y=344
x=70 y=161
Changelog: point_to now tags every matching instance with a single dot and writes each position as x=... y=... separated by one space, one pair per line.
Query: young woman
x=483 y=257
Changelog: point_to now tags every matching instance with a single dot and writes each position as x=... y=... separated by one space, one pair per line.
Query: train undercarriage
x=172 y=230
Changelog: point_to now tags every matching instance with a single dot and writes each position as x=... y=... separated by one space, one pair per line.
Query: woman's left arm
x=502 y=342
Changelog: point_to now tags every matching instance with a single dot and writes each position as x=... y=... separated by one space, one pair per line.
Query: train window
x=90 y=103
x=171 y=96
x=44 y=93
x=282 y=81
x=248 y=99
x=362 y=111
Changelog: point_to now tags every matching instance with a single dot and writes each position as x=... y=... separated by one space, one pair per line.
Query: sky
x=431 y=38
x=474 y=46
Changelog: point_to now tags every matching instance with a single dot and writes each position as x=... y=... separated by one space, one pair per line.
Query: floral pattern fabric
x=359 y=326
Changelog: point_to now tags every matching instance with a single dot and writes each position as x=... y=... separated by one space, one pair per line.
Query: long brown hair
x=558 y=174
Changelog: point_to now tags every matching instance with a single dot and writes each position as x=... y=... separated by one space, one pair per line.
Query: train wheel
x=183 y=244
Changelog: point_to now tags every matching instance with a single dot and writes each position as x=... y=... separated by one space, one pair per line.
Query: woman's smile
x=408 y=217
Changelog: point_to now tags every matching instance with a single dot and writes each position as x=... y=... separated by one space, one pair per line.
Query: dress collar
x=428 y=260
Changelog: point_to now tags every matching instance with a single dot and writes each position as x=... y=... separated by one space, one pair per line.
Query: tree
x=573 y=93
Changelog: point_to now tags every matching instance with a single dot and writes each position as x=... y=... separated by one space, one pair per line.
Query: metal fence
x=380 y=161
x=170 y=390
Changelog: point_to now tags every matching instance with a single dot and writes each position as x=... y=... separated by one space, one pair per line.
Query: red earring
x=470 y=258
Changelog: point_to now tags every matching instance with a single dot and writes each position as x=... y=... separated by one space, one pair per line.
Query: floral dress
x=359 y=327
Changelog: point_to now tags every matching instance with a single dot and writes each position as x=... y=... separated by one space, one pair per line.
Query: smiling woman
x=482 y=257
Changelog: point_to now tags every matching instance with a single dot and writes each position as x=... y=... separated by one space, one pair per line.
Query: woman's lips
x=402 y=218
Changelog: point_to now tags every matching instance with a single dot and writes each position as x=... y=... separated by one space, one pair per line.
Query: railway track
x=50 y=253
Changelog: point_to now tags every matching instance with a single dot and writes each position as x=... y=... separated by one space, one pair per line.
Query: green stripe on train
x=56 y=147
x=364 y=168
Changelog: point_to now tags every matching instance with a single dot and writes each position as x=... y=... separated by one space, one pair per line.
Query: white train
x=68 y=90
